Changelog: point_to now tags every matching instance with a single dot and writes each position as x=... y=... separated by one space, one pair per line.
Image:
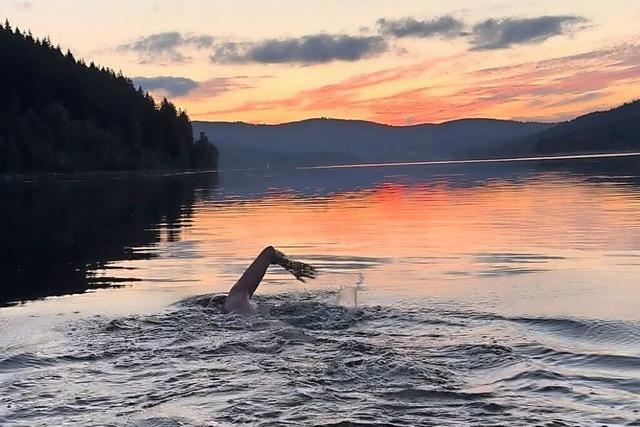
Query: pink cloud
x=333 y=95
x=534 y=89
x=218 y=85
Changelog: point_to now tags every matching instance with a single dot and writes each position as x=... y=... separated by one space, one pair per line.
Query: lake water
x=448 y=295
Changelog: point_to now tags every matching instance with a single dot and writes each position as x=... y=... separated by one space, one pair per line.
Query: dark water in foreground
x=304 y=360
x=484 y=296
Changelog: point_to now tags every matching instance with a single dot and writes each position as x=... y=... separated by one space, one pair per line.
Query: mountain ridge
x=317 y=141
x=614 y=130
x=311 y=142
x=371 y=122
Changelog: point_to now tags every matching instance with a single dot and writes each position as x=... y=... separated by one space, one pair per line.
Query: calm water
x=468 y=295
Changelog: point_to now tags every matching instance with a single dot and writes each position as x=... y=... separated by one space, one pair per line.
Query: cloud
x=183 y=86
x=504 y=33
x=306 y=50
x=172 y=86
x=485 y=35
x=175 y=47
x=562 y=116
x=444 y=26
x=332 y=95
x=167 y=47
x=219 y=85
x=585 y=97
x=560 y=87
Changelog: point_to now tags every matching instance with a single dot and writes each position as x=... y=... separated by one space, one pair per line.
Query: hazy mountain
x=326 y=141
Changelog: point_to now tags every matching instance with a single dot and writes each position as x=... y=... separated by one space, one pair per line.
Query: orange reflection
x=409 y=221
x=546 y=245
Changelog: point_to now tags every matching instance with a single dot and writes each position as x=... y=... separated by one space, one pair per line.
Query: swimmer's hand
x=299 y=269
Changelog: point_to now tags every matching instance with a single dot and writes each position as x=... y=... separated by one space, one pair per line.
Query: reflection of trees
x=54 y=234
x=623 y=168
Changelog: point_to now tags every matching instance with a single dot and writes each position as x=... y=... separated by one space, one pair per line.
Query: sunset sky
x=397 y=62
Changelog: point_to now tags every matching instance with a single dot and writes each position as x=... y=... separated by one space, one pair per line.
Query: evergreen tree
x=60 y=114
x=615 y=130
x=203 y=154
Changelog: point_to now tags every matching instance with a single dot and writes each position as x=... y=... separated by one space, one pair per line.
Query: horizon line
x=388 y=124
x=532 y=120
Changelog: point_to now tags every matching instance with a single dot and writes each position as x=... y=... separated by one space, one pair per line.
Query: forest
x=60 y=114
x=615 y=130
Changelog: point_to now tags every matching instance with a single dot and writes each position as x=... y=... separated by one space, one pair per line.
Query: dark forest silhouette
x=61 y=114
x=615 y=130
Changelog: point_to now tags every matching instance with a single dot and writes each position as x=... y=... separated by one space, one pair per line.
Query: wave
x=32 y=361
x=303 y=359
x=161 y=422
x=604 y=361
x=24 y=360
x=592 y=330
x=543 y=380
x=421 y=394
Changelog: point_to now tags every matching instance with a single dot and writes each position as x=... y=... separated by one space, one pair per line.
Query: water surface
x=449 y=295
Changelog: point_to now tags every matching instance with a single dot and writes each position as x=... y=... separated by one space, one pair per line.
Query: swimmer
x=239 y=298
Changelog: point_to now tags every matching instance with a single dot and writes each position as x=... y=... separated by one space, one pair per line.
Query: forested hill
x=616 y=130
x=61 y=114
x=330 y=141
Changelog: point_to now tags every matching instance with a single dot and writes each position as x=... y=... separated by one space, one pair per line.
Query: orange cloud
x=539 y=89
x=333 y=95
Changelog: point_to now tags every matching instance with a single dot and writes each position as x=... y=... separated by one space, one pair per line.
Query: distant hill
x=60 y=114
x=613 y=131
x=616 y=130
x=326 y=141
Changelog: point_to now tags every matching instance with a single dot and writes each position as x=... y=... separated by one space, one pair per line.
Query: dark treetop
x=60 y=114
x=615 y=130
x=612 y=131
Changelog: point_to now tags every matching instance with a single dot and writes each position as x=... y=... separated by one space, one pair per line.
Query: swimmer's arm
x=251 y=278
x=253 y=275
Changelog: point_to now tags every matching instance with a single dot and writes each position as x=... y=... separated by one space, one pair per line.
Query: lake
x=489 y=294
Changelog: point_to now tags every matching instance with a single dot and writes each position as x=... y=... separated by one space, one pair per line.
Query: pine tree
x=58 y=114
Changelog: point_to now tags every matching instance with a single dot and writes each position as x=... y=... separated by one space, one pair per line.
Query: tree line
x=615 y=130
x=58 y=113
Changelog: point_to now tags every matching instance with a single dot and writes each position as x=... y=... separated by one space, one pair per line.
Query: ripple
x=609 y=362
x=300 y=359
x=600 y=331
x=23 y=361
x=421 y=394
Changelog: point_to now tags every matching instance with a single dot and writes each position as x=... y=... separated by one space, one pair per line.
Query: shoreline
x=81 y=176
